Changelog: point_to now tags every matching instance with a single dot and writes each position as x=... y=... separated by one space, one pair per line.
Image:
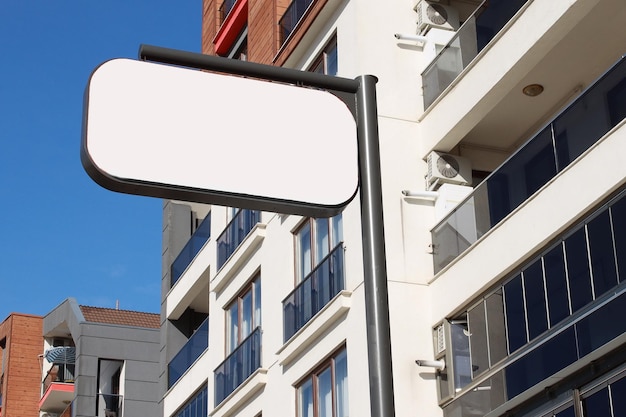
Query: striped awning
x=61 y=354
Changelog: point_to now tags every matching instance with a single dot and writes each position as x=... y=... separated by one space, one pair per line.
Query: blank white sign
x=171 y=132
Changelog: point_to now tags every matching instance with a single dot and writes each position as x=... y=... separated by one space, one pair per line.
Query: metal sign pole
x=374 y=261
x=361 y=93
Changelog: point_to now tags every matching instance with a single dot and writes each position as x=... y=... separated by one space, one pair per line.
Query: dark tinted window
x=601 y=250
x=556 y=284
x=597 y=405
x=618 y=216
x=515 y=317
x=578 y=269
x=535 y=300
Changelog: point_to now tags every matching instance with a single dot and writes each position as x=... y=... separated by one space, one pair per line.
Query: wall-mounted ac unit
x=432 y=14
x=444 y=168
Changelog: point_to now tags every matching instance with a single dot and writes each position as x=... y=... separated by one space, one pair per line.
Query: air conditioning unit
x=431 y=14
x=444 y=168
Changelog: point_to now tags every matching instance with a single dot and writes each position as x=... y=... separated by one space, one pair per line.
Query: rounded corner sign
x=171 y=132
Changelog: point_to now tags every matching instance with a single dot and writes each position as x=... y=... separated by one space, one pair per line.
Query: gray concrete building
x=99 y=362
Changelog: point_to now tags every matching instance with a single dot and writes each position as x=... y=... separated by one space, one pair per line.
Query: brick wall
x=22 y=370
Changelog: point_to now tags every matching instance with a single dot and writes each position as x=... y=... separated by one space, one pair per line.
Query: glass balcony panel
x=471 y=38
x=236 y=231
x=291 y=17
x=577 y=128
x=238 y=366
x=191 y=249
x=195 y=346
x=313 y=293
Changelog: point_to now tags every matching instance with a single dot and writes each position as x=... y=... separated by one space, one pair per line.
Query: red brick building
x=21 y=345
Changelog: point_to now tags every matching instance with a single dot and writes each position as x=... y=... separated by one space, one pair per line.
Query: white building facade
x=502 y=137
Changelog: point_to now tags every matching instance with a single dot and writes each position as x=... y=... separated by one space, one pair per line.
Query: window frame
x=330 y=48
x=334 y=236
x=253 y=288
x=330 y=363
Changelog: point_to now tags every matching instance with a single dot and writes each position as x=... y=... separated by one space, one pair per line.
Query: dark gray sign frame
x=360 y=96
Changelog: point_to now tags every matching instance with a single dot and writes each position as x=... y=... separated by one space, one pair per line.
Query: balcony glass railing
x=292 y=16
x=191 y=249
x=59 y=372
x=110 y=405
x=313 y=293
x=475 y=33
x=600 y=108
x=238 y=366
x=195 y=346
x=225 y=8
x=235 y=233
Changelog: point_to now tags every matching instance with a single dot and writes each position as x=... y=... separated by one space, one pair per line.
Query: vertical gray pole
x=374 y=263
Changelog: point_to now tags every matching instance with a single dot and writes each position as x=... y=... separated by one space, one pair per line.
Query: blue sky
x=63 y=235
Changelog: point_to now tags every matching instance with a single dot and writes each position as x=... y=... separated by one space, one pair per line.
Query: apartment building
x=501 y=126
x=98 y=361
x=20 y=370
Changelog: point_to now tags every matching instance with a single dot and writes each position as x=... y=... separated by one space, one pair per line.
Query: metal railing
x=200 y=236
x=59 y=372
x=291 y=17
x=236 y=231
x=195 y=346
x=110 y=405
x=238 y=366
x=585 y=121
x=471 y=38
x=314 y=292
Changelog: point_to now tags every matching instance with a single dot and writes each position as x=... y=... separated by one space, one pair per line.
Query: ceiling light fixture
x=533 y=90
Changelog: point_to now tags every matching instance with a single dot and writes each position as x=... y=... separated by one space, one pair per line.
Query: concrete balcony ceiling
x=485 y=107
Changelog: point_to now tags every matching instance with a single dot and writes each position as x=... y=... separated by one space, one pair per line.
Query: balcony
x=238 y=366
x=583 y=123
x=58 y=387
x=475 y=33
x=191 y=249
x=110 y=405
x=313 y=293
x=563 y=46
x=225 y=9
x=195 y=346
x=236 y=231
x=291 y=17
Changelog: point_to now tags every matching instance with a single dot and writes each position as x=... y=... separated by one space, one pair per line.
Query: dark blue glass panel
x=556 y=284
x=602 y=256
x=618 y=397
x=313 y=293
x=496 y=14
x=535 y=300
x=191 y=351
x=602 y=326
x=196 y=406
x=618 y=216
x=591 y=116
x=191 y=249
x=541 y=363
x=597 y=404
x=578 y=270
x=236 y=231
x=238 y=366
x=515 y=317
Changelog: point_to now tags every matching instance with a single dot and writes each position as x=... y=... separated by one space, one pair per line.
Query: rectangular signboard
x=171 y=132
